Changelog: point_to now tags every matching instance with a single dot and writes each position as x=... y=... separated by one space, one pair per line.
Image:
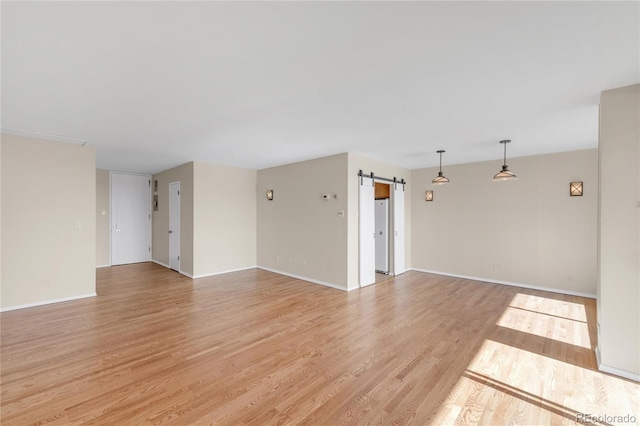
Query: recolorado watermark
x=605 y=418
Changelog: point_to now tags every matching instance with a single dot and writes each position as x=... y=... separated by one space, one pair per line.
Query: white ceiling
x=258 y=84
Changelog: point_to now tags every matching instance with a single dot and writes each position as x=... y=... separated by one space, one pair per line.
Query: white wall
x=299 y=233
x=381 y=169
x=224 y=221
x=619 y=232
x=48 y=221
x=528 y=232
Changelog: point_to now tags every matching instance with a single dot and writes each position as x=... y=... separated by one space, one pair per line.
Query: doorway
x=130 y=218
x=382 y=217
x=381 y=227
x=174 y=226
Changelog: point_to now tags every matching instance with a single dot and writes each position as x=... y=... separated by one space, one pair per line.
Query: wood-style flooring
x=254 y=347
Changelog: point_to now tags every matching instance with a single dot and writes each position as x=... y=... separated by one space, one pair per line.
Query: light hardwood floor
x=254 y=347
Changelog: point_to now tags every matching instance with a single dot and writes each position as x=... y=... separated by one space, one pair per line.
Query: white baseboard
x=300 y=277
x=622 y=373
x=169 y=267
x=615 y=371
x=160 y=263
x=512 y=284
x=47 y=302
x=223 y=272
x=193 y=277
x=103 y=266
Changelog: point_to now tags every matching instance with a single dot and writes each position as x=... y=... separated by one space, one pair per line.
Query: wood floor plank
x=254 y=347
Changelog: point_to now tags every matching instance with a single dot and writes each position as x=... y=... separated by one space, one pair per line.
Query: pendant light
x=440 y=179
x=504 y=174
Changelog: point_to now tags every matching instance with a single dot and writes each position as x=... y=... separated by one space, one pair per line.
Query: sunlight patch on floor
x=505 y=384
x=548 y=326
x=545 y=305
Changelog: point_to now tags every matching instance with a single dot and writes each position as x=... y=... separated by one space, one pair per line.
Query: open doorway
x=382 y=193
x=381 y=227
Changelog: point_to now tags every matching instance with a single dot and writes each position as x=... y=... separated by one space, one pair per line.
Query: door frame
x=111 y=215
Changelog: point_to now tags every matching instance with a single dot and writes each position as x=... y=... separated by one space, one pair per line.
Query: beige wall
x=379 y=168
x=300 y=233
x=619 y=231
x=103 y=231
x=48 y=221
x=224 y=219
x=0 y=220
x=160 y=223
x=528 y=231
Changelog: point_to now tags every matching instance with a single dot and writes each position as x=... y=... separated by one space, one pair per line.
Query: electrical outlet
x=340 y=213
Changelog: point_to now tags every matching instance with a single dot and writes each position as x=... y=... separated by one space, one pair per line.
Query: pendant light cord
x=504 y=162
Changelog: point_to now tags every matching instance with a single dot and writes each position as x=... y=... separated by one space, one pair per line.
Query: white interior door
x=398 y=229
x=382 y=235
x=367 y=232
x=174 y=226
x=130 y=218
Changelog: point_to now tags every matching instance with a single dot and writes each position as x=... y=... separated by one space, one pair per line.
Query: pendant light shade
x=505 y=173
x=440 y=179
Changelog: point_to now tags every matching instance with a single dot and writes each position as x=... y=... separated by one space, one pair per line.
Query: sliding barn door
x=398 y=229
x=367 y=232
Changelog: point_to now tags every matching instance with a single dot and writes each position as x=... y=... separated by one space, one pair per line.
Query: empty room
x=320 y=213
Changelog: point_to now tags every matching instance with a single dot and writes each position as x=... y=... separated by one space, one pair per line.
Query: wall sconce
x=428 y=196
x=575 y=189
x=270 y=194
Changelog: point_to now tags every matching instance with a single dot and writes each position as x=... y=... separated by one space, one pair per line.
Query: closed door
x=367 y=232
x=398 y=229
x=174 y=226
x=130 y=218
x=382 y=235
